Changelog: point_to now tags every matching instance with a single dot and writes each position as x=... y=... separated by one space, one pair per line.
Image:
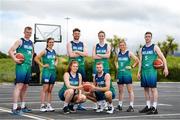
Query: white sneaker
x=43 y=108
x=99 y=109
x=105 y=105
x=49 y=108
x=110 y=110
x=95 y=106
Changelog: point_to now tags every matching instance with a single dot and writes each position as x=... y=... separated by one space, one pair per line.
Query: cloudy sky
x=126 y=18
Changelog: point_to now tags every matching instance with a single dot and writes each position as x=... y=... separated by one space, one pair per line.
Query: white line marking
x=36 y=117
x=106 y=118
x=160 y=104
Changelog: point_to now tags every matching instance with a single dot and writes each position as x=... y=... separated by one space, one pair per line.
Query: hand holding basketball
x=19 y=58
x=158 y=64
x=87 y=87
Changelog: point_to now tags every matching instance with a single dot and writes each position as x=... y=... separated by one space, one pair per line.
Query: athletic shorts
x=48 y=76
x=23 y=73
x=149 y=78
x=101 y=96
x=124 y=79
x=61 y=94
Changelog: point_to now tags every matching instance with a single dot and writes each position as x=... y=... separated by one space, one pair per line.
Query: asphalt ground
x=168 y=105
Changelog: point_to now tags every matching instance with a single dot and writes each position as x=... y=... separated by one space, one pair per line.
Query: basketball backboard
x=44 y=31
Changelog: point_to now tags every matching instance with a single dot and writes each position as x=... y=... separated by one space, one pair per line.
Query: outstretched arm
x=140 y=64
x=13 y=49
x=161 y=56
x=131 y=54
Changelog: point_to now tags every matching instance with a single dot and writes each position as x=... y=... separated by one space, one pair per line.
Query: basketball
x=87 y=87
x=158 y=64
x=20 y=56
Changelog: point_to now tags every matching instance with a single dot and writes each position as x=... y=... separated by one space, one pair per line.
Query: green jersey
x=26 y=49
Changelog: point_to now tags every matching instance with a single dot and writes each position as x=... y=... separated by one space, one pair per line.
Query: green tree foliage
x=114 y=43
x=3 y=55
x=168 y=47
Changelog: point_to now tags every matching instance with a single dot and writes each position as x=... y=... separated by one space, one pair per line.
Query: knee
x=50 y=91
x=70 y=91
x=108 y=94
x=130 y=91
x=83 y=98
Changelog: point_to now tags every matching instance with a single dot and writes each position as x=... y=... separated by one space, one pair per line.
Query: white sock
x=95 y=105
x=110 y=104
x=148 y=104
x=155 y=105
x=23 y=105
x=15 y=106
x=65 y=104
x=42 y=104
x=120 y=103
x=131 y=104
x=48 y=104
x=99 y=102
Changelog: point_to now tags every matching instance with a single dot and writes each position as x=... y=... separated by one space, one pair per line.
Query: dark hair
x=99 y=63
x=27 y=28
x=50 y=38
x=101 y=32
x=76 y=29
x=148 y=33
x=70 y=65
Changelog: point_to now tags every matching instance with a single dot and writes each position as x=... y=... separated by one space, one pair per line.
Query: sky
x=128 y=19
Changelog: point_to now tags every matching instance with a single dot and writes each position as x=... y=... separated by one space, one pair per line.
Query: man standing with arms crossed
x=148 y=74
x=23 y=70
x=77 y=50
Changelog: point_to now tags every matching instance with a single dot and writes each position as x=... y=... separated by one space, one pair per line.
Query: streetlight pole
x=67 y=19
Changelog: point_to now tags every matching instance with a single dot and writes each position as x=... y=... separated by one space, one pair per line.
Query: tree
x=168 y=46
x=114 y=43
x=172 y=46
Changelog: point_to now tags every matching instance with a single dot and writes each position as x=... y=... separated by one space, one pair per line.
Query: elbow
x=86 y=54
x=9 y=52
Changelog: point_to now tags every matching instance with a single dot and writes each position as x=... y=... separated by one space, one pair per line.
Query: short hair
x=27 y=28
x=76 y=29
x=122 y=41
x=101 y=32
x=148 y=33
x=99 y=63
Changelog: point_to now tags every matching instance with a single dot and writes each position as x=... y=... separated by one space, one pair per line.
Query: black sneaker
x=71 y=108
x=145 y=110
x=130 y=109
x=17 y=111
x=26 y=109
x=66 y=110
x=152 y=111
x=119 y=108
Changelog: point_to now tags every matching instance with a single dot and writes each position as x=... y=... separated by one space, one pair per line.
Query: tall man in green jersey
x=77 y=50
x=23 y=70
x=148 y=74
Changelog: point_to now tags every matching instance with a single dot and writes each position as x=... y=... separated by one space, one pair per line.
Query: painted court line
x=106 y=118
x=36 y=117
x=60 y=108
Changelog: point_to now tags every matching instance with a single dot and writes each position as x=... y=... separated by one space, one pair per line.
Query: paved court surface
x=169 y=105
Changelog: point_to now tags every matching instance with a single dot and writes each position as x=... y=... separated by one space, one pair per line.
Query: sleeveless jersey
x=26 y=49
x=148 y=57
x=49 y=58
x=77 y=47
x=123 y=61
